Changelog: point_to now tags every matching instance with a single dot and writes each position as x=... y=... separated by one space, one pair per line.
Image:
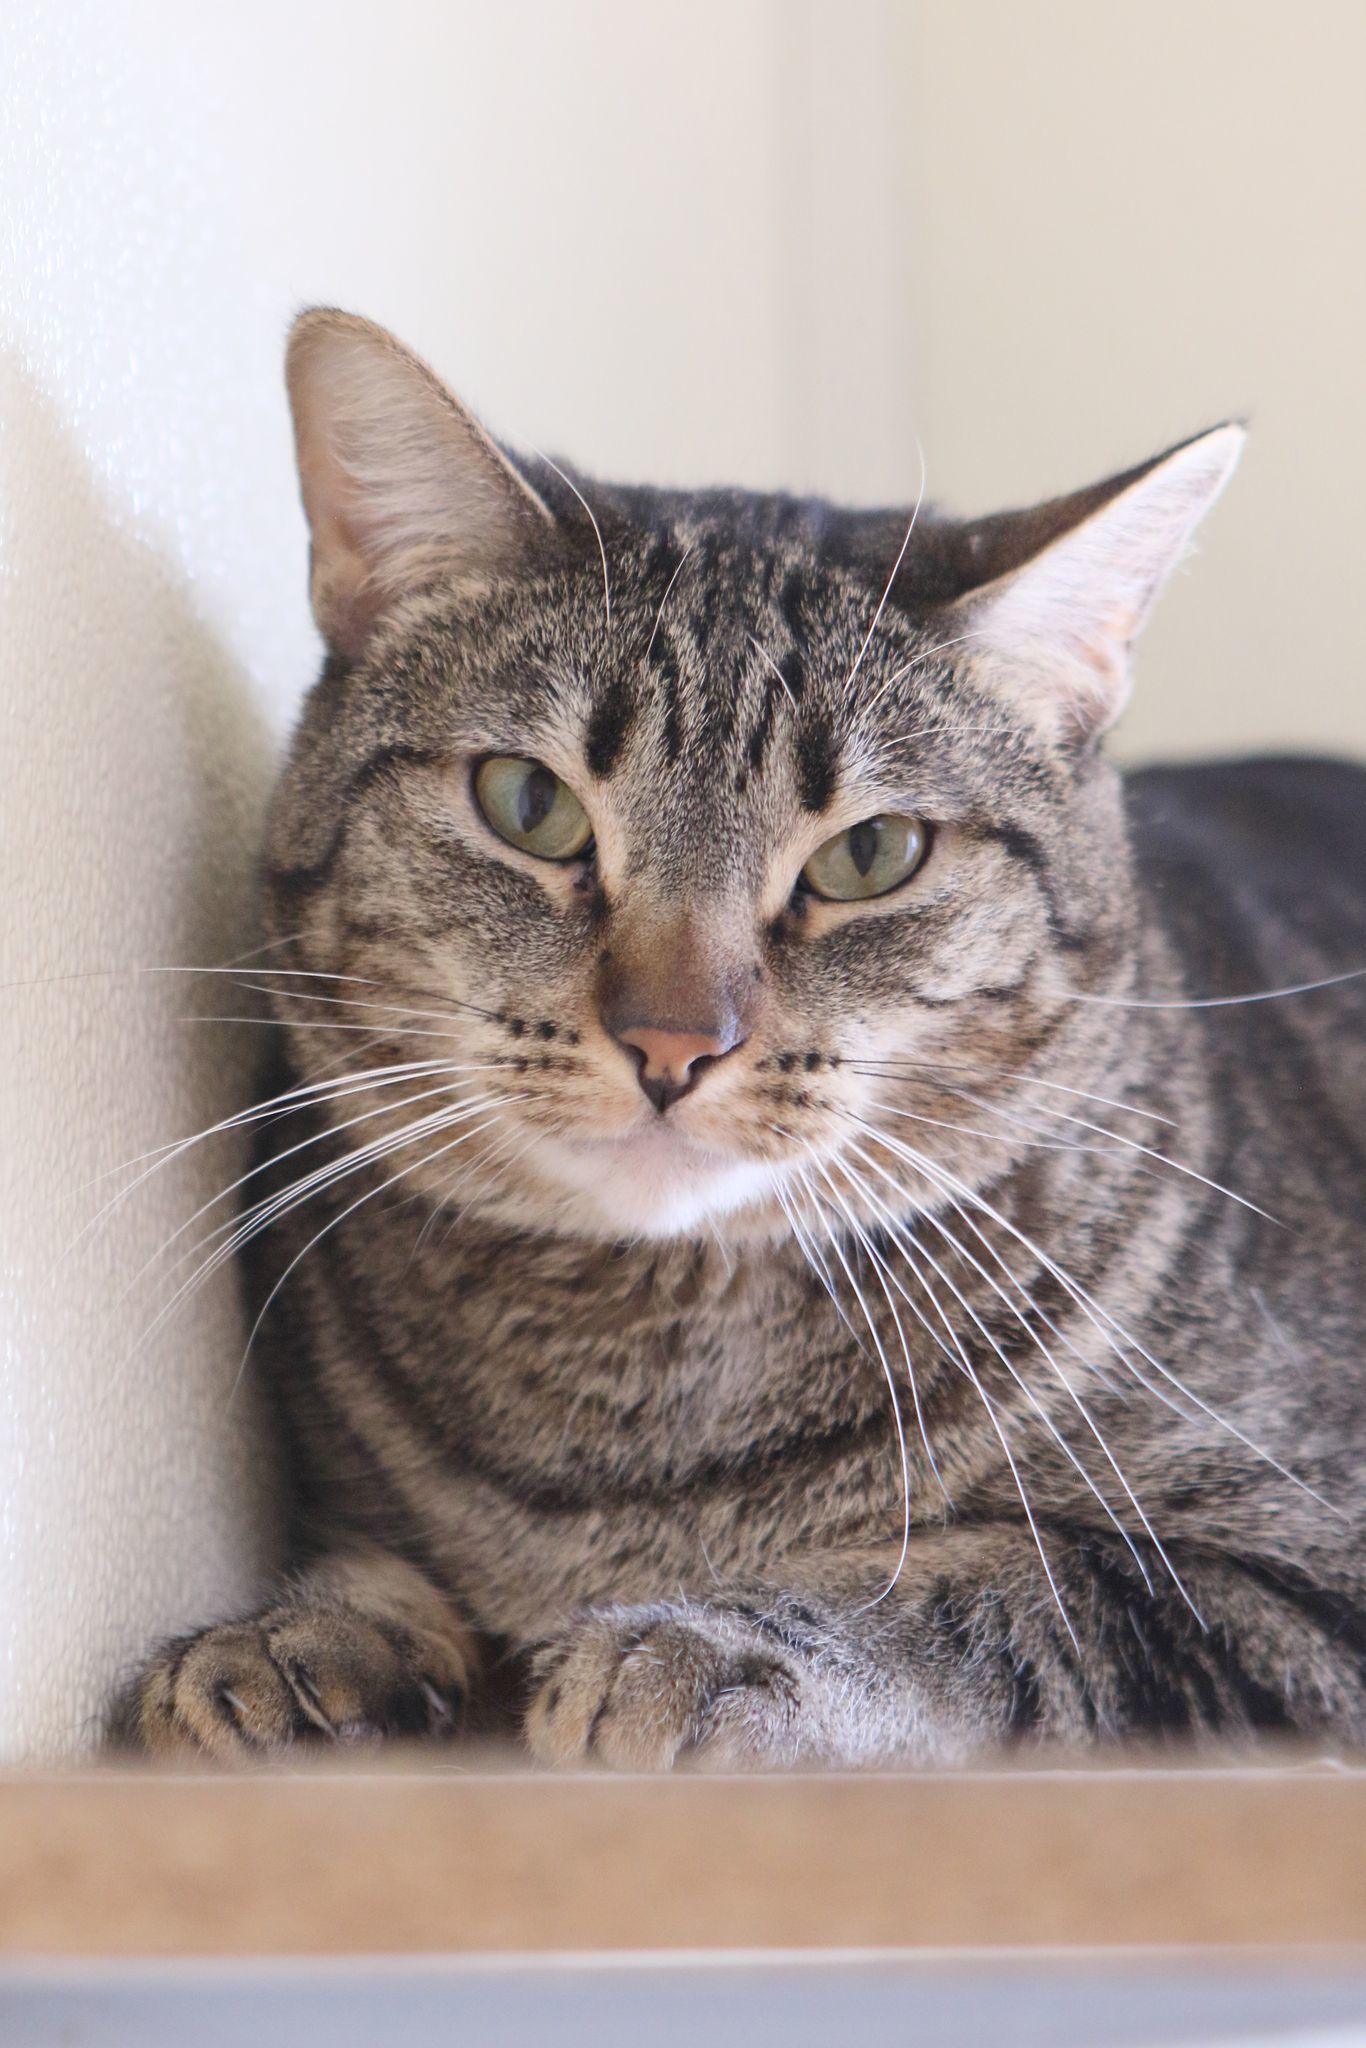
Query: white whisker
x=996 y=1423
x=1118 y=1141
x=316 y=1024
x=238 y=1232
x=862 y=1238
x=309 y=1093
x=1261 y=995
x=915 y=662
x=933 y=1068
x=989 y=1137
x=767 y=658
x=446 y=1193
x=369 y=1195
x=909 y=1246
x=811 y=1252
x=297 y=995
x=904 y=1456
x=678 y=570
x=267 y=1165
x=913 y=1158
x=597 y=532
x=1105 y=1324
x=969 y=1258
x=896 y=570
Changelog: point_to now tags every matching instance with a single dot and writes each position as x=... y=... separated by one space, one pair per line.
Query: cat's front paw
x=640 y=1688
x=298 y=1673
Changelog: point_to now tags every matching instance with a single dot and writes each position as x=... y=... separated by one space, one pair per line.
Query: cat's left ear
x=401 y=485
x=1065 y=589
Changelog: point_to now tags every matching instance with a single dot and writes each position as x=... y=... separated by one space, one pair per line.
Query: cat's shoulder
x=1273 y=808
x=1256 y=870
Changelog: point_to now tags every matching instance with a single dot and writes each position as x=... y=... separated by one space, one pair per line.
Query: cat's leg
x=357 y=1646
x=969 y=1651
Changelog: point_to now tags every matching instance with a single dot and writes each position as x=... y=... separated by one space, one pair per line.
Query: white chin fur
x=645 y=1190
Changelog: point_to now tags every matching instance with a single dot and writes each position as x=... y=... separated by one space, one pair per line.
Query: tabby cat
x=787 y=1230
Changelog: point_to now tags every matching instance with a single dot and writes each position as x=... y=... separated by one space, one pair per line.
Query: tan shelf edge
x=400 y=1860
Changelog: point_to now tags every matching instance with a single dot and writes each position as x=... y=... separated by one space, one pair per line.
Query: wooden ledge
x=394 y=1859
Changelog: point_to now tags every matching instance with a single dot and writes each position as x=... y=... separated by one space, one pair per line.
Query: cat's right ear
x=401 y=485
x=1058 y=594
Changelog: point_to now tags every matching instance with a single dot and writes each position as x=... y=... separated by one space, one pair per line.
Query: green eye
x=867 y=860
x=531 y=808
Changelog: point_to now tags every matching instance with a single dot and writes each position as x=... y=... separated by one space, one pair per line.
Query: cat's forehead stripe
x=722 y=675
x=816 y=764
x=609 y=726
x=665 y=664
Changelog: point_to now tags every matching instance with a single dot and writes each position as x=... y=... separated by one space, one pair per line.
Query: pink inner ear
x=400 y=484
x=1066 y=649
x=1105 y=646
x=1062 y=620
x=1093 y=711
x=345 y=599
x=1099 y=648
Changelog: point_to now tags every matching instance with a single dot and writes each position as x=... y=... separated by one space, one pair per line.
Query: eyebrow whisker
x=896 y=570
x=597 y=531
x=765 y=656
x=668 y=590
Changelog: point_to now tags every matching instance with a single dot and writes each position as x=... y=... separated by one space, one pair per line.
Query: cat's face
x=693 y=870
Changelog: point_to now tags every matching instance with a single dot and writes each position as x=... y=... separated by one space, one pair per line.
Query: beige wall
x=1127 y=220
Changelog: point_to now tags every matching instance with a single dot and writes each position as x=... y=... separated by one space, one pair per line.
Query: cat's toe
x=216 y=1694
x=254 y=1688
x=641 y=1689
x=357 y=1681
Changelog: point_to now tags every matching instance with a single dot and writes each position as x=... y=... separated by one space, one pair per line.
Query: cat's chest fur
x=633 y=1364
x=558 y=1420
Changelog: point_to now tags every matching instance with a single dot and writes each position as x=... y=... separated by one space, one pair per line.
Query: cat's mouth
x=658 y=1137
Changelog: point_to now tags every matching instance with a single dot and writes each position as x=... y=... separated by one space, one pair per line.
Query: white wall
x=1130 y=220
x=772 y=240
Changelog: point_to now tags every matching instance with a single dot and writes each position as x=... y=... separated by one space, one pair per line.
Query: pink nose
x=672 y=1062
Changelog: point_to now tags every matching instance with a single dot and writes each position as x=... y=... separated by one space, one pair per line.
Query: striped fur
x=634 y=1411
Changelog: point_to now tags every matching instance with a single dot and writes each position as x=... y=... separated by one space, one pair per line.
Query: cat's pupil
x=535 y=799
x=863 y=843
